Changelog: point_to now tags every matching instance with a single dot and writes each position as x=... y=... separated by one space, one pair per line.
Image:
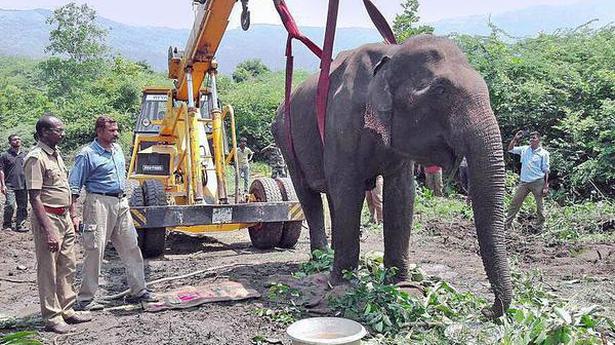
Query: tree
x=404 y=24
x=256 y=103
x=76 y=33
x=249 y=69
x=79 y=48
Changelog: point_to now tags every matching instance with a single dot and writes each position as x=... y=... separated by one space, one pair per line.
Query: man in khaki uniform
x=100 y=167
x=54 y=235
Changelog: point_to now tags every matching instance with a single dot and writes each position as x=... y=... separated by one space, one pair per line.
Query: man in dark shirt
x=13 y=185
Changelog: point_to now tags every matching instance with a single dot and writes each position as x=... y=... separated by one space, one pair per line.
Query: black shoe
x=90 y=305
x=20 y=229
x=144 y=296
x=78 y=318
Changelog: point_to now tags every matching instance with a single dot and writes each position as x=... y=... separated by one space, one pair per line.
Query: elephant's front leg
x=398 y=206
x=347 y=201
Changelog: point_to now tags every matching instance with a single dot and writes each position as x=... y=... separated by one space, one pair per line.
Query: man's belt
x=115 y=195
x=59 y=211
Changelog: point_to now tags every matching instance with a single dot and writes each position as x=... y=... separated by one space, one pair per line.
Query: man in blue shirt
x=100 y=167
x=534 y=176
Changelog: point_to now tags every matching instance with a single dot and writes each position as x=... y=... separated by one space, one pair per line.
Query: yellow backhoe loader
x=181 y=152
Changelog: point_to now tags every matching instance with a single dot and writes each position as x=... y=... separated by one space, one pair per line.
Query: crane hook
x=245 y=15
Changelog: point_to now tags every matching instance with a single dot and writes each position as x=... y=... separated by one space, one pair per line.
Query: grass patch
x=585 y=222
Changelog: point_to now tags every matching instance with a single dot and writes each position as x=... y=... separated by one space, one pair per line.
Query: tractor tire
x=286 y=189
x=291 y=231
x=137 y=199
x=152 y=240
x=266 y=235
x=154 y=194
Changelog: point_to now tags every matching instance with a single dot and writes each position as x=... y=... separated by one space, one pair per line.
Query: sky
x=179 y=14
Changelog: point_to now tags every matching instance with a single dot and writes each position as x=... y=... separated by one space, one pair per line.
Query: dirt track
x=582 y=274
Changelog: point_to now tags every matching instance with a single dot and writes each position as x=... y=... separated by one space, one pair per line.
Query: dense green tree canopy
x=249 y=69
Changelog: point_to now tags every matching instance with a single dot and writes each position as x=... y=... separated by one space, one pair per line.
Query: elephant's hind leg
x=398 y=210
x=311 y=202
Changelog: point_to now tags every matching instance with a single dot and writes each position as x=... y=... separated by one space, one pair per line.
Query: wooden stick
x=162 y=280
x=17 y=281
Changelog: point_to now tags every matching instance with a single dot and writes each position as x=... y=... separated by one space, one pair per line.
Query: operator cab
x=153 y=108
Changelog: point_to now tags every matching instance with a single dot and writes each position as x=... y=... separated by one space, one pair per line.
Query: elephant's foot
x=401 y=267
x=400 y=276
x=322 y=246
x=337 y=278
x=318 y=240
x=411 y=288
x=496 y=310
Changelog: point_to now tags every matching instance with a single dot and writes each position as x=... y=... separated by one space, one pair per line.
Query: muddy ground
x=449 y=251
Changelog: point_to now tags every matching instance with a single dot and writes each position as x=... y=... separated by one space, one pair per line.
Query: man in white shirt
x=244 y=156
x=534 y=176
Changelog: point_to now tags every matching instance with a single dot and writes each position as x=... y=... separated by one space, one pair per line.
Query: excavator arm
x=212 y=18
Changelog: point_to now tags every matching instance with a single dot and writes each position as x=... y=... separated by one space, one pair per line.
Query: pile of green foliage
x=444 y=315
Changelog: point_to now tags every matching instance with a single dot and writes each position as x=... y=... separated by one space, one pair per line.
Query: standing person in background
x=433 y=179
x=534 y=176
x=13 y=185
x=275 y=160
x=54 y=235
x=374 y=201
x=244 y=157
x=464 y=178
x=101 y=168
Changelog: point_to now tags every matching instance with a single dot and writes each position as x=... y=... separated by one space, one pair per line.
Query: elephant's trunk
x=480 y=136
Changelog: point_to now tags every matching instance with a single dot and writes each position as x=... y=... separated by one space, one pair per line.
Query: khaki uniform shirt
x=45 y=171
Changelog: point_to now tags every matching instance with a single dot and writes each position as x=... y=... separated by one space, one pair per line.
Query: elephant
x=388 y=107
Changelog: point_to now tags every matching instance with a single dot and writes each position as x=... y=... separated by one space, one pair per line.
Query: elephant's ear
x=379 y=107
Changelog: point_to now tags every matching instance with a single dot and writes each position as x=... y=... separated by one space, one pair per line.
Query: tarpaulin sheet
x=191 y=296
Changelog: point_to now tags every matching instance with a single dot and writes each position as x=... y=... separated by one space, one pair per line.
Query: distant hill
x=532 y=20
x=25 y=33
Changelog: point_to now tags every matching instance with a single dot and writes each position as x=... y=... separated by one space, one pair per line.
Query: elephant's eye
x=439 y=90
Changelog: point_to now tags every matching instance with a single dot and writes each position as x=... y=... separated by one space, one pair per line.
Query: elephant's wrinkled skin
x=388 y=106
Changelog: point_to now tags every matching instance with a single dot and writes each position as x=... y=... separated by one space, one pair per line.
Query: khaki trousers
x=374 y=201
x=523 y=189
x=107 y=218
x=434 y=182
x=55 y=271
